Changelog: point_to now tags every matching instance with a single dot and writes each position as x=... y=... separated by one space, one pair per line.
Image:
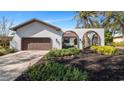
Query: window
x=75 y=41
x=66 y=40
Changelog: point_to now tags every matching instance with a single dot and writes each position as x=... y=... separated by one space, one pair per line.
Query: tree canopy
x=109 y=20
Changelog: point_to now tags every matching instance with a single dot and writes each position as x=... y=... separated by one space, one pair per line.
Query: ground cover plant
x=117 y=44
x=52 y=71
x=106 y=50
x=63 y=52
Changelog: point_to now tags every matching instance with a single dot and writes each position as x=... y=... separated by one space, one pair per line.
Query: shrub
x=9 y=50
x=117 y=44
x=106 y=50
x=69 y=46
x=63 y=52
x=55 y=72
x=108 y=37
x=4 y=51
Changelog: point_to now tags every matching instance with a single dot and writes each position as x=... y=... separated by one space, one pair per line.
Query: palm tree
x=87 y=19
x=114 y=21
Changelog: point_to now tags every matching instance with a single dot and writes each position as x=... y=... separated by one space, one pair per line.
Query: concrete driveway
x=12 y=65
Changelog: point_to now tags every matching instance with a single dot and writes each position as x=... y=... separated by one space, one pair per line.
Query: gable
x=37 y=29
x=34 y=21
x=35 y=26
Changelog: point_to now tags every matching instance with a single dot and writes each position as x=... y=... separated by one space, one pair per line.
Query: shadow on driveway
x=12 y=65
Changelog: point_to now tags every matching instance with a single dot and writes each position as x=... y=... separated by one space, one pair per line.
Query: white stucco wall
x=81 y=32
x=37 y=30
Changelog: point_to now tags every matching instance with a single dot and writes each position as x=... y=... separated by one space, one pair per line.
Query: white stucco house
x=117 y=36
x=38 y=35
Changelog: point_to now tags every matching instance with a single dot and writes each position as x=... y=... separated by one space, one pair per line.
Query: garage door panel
x=36 y=44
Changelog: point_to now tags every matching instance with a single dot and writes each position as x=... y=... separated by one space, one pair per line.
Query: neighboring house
x=12 y=34
x=117 y=36
x=118 y=39
x=38 y=35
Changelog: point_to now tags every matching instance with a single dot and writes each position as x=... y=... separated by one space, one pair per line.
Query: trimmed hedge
x=52 y=71
x=63 y=52
x=106 y=50
x=115 y=44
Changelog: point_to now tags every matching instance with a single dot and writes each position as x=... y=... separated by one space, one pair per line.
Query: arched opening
x=69 y=39
x=91 y=38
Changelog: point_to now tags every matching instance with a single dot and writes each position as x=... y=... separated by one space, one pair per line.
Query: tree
x=5 y=25
x=108 y=37
x=114 y=21
x=111 y=21
x=87 y=19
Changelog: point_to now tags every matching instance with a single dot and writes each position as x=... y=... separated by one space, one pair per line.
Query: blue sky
x=62 y=19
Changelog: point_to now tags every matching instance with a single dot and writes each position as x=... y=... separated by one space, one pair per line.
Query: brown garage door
x=36 y=44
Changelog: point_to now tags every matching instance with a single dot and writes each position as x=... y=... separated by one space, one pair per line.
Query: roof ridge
x=32 y=20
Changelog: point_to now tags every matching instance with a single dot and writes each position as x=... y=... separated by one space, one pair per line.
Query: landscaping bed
x=96 y=66
x=52 y=71
x=49 y=69
x=105 y=50
x=118 y=44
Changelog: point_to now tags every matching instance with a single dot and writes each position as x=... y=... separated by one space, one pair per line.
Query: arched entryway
x=70 y=39
x=91 y=38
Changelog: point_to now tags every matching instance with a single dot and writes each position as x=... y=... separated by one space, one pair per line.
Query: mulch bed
x=99 y=67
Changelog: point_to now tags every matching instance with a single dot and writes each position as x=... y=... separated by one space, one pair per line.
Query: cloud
x=59 y=20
